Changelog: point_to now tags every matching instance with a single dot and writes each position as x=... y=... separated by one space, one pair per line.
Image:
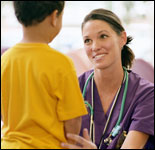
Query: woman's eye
x=103 y=36
x=87 y=41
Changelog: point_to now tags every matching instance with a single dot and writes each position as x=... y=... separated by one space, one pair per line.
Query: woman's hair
x=127 y=54
x=33 y=12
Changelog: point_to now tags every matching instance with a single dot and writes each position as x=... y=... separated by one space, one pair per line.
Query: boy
x=40 y=97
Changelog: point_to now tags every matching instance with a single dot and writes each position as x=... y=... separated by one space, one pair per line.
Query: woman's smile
x=99 y=57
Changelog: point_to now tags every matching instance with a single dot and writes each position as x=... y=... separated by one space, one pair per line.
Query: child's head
x=39 y=19
x=30 y=13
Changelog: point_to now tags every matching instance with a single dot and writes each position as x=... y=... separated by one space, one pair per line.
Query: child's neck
x=37 y=34
x=32 y=40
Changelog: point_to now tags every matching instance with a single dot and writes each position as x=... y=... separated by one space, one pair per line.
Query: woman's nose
x=95 y=46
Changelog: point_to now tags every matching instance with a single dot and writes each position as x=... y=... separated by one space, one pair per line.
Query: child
x=40 y=97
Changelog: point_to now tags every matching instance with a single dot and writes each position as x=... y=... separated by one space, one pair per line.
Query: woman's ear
x=123 y=38
x=53 y=18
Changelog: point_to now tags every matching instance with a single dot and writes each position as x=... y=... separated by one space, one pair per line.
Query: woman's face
x=102 y=44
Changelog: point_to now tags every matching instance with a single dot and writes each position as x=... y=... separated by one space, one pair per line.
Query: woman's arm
x=135 y=140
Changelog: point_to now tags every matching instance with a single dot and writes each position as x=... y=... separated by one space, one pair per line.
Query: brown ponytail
x=127 y=54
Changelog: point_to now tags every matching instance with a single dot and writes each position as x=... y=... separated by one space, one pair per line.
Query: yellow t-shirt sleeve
x=70 y=100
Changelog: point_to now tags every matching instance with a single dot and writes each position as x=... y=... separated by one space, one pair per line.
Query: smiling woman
x=117 y=98
x=102 y=42
x=108 y=33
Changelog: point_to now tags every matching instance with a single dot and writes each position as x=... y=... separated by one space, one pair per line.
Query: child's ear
x=53 y=18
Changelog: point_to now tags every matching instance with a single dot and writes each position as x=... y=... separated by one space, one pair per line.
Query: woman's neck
x=109 y=79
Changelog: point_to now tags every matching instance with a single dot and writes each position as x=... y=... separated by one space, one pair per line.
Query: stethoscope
x=117 y=126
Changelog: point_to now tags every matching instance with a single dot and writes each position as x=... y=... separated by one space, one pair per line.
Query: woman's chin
x=100 y=66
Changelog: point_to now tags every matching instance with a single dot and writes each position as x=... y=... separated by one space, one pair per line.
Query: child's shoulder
x=6 y=53
x=60 y=57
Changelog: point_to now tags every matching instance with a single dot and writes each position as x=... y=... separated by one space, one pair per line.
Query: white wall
x=138 y=22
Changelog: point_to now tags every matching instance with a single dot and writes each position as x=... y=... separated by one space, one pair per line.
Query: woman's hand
x=82 y=142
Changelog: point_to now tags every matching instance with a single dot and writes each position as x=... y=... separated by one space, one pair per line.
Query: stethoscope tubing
x=117 y=127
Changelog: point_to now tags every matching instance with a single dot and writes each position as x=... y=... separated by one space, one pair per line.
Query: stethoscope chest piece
x=108 y=141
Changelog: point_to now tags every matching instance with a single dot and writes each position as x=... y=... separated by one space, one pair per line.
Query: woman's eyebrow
x=105 y=31
x=102 y=31
x=86 y=36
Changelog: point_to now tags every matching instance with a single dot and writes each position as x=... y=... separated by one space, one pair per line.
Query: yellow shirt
x=39 y=90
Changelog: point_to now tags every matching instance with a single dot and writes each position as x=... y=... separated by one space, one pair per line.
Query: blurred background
x=137 y=18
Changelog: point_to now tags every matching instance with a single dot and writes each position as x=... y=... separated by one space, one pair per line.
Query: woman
x=111 y=86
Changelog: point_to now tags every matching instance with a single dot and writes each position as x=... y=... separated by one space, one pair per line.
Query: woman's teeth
x=99 y=56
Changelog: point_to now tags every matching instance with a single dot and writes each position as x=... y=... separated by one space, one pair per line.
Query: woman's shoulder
x=85 y=75
x=137 y=79
x=139 y=85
